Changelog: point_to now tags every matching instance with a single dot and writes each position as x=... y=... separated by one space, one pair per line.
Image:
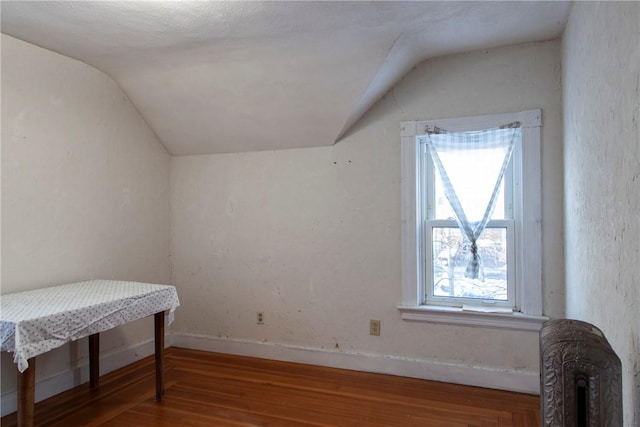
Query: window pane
x=443 y=208
x=451 y=252
x=473 y=174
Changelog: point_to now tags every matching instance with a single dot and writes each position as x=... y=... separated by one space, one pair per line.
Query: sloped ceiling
x=215 y=77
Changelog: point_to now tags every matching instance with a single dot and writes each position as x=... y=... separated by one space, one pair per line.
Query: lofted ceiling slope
x=216 y=77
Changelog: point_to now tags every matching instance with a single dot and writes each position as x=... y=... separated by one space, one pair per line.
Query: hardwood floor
x=211 y=389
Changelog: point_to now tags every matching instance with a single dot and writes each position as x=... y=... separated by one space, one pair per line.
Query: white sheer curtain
x=472 y=213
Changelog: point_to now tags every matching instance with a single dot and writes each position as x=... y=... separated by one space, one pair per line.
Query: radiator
x=580 y=376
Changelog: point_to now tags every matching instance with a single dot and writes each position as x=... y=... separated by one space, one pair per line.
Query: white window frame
x=527 y=216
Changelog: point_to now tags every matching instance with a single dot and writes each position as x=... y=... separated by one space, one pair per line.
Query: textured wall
x=311 y=237
x=85 y=187
x=601 y=79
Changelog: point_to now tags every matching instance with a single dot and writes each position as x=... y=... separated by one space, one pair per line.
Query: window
x=466 y=236
x=468 y=223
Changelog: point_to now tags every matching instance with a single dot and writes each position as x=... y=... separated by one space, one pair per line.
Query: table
x=34 y=322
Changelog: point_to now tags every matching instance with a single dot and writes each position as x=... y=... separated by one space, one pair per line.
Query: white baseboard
x=511 y=380
x=70 y=378
x=524 y=382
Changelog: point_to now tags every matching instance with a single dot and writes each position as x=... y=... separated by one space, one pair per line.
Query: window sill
x=458 y=316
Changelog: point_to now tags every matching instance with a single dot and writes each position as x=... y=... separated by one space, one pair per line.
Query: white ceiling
x=214 y=77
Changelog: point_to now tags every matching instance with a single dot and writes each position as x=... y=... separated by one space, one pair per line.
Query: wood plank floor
x=212 y=389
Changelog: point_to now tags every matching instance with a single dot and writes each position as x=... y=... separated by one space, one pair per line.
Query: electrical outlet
x=260 y=318
x=374 y=327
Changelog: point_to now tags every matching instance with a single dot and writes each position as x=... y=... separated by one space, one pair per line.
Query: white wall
x=85 y=190
x=311 y=237
x=601 y=78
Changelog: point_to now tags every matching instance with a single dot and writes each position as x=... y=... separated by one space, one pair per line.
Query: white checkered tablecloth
x=34 y=322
